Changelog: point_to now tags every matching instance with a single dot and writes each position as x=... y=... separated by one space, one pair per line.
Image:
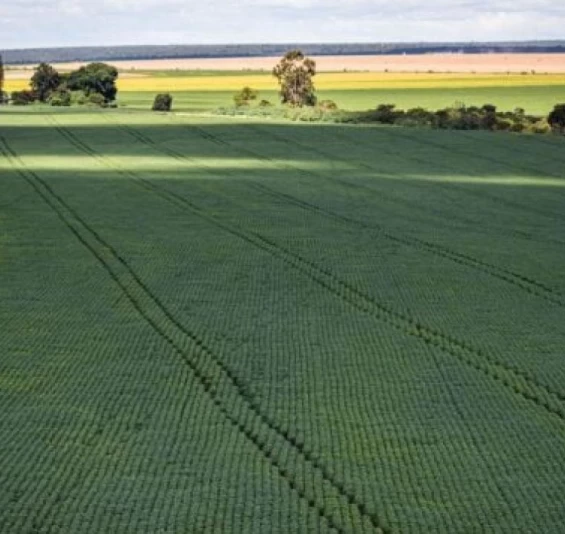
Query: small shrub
x=245 y=96
x=327 y=105
x=163 y=102
x=386 y=114
x=22 y=98
x=265 y=104
x=60 y=98
x=557 y=118
x=540 y=127
x=79 y=98
x=96 y=99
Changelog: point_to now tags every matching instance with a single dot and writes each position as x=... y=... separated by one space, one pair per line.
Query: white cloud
x=86 y=22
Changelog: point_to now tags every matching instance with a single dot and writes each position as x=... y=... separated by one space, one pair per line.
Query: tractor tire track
x=525 y=283
x=515 y=370
x=512 y=378
x=358 y=508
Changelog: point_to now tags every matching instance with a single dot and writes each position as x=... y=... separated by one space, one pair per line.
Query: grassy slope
x=259 y=327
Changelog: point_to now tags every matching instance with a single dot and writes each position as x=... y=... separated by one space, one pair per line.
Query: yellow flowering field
x=326 y=81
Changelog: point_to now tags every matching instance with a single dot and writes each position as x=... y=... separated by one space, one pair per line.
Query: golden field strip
x=324 y=81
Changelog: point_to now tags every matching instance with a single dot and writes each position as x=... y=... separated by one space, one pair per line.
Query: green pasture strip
x=223 y=325
x=537 y=100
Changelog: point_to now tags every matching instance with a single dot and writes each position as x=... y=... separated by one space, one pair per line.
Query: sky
x=48 y=23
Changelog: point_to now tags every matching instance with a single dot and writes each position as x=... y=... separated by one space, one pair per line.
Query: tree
x=22 y=98
x=60 y=97
x=44 y=81
x=1 y=75
x=557 y=118
x=245 y=96
x=294 y=73
x=163 y=102
x=94 y=78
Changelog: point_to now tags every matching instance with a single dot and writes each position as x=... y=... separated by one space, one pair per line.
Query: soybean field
x=214 y=325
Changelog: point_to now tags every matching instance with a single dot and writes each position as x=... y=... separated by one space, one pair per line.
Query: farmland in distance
x=216 y=325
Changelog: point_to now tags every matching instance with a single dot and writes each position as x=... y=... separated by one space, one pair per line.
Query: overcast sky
x=42 y=23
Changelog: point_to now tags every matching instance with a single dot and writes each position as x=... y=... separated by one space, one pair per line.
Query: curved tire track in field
x=525 y=283
x=227 y=378
x=528 y=284
x=515 y=370
x=496 y=137
x=479 y=194
x=514 y=379
x=452 y=187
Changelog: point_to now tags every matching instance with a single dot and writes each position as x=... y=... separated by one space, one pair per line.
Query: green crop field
x=214 y=325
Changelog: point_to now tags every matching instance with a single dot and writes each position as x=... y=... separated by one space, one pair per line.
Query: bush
x=265 y=104
x=163 y=102
x=96 y=99
x=386 y=114
x=327 y=105
x=245 y=96
x=4 y=98
x=61 y=97
x=22 y=98
x=79 y=98
x=557 y=118
x=540 y=127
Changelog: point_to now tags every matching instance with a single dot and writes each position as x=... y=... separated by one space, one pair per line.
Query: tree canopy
x=44 y=81
x=1 y=76
x=294 y=73
x=557 y=118
x=94 y=78
x=163 y=102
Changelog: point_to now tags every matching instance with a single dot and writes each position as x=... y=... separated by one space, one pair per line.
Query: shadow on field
x=403 y=160
x=478 y=177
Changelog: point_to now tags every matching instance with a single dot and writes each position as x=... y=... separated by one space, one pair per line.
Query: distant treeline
x=54 y=55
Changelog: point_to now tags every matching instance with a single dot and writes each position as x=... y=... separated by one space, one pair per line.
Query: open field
x=480 y=63
x=214 y=325
x=536 y=93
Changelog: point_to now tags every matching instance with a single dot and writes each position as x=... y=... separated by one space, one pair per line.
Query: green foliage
x=45 y=81
x=163 y=102
x=96 y=99
x=456 y=117
x=245 y=96
x=556 y=118
x=94 y=78
x=62 y=97
x=294 y=74
x=327 y=105
x=265 y=104
x=79 y=98
x=1 y=78
x=22 y=98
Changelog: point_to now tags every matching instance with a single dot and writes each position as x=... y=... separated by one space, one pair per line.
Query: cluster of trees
x=94 y=83
x=295 y=74
x=461 y=117
x=3 y=97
